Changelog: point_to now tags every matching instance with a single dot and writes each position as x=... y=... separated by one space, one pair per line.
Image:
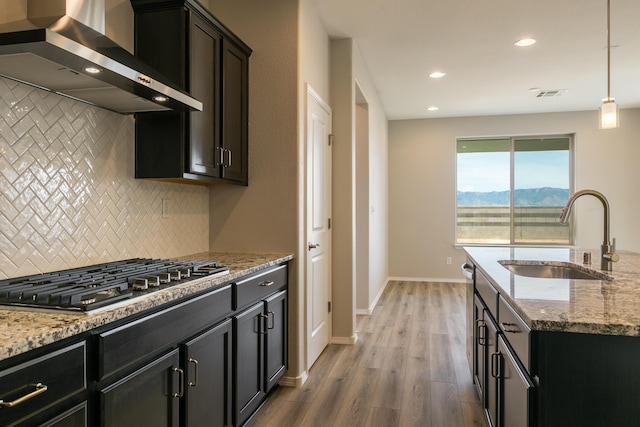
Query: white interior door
x=318 y=205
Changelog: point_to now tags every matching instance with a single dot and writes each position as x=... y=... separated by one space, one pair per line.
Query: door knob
x=313 y=245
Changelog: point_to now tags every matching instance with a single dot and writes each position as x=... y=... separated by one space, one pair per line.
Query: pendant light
x=609 y=117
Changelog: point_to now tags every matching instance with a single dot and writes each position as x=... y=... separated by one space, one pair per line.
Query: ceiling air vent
x=550 y=93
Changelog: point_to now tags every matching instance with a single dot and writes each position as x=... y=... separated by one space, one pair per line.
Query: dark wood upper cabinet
x=183 y=41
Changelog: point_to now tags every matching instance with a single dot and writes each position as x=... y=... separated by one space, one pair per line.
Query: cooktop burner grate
x=96 y=286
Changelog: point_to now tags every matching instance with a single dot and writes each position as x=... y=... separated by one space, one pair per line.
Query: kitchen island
x=206 y=351
x=550 y=352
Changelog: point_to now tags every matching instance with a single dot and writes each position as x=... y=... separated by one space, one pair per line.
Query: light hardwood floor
x=408 y=368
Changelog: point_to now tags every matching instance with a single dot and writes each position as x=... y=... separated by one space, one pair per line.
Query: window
x=511 y=190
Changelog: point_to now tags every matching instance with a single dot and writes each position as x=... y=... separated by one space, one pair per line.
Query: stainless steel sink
x=552 y=270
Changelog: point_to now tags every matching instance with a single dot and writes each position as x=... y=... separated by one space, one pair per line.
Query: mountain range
x=545 y=196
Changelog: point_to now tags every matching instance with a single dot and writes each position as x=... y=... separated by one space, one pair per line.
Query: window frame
x=512 y=211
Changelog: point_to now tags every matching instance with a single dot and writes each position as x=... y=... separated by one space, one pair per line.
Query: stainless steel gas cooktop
x=96 y=286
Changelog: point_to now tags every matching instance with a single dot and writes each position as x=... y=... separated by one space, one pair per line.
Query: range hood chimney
x=61 y=47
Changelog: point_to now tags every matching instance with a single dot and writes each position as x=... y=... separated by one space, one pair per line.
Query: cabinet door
x=208 y=377
x=515 y=390
x=148 y=397
x=276 y=338
x=235 y=113
x=491 y=385
x=479 y=351
x=204 y=59
x=248 y=372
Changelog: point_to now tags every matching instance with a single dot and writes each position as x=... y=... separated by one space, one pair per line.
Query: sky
x=485 y=172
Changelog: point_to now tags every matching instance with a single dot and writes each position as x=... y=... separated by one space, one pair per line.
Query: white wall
x=422 y=183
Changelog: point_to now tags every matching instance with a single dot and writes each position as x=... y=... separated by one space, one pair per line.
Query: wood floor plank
x=279 y=411
x=416 y=401
x=446 y=409
x=388 y=393
x=383 y=417
x=440 y=359
x=356 y=405
x=322 y=412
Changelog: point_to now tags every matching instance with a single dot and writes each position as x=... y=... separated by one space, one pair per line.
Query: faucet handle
x=612 y=255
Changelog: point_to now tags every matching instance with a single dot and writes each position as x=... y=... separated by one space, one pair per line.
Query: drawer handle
x=195 y=373
x=467 y=270
x=266 y=283
x=40 y=388
x=180 y=392
x=509 y=327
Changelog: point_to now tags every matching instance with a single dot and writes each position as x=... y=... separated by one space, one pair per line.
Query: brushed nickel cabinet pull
x=221 y=162
x=495 y=364
x=482 y=332
x=266 y=283
x=509 y=327
x=272 y=316
x=180 y=392
x=195 y=373
x=262 y=330
x=39 y=389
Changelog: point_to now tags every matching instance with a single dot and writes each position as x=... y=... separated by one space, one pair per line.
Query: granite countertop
x=23 y=330
x=610 y=307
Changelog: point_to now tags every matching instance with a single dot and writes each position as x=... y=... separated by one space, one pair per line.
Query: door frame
x=313 y=96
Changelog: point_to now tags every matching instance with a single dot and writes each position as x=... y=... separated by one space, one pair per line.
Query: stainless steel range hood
x=61 y=47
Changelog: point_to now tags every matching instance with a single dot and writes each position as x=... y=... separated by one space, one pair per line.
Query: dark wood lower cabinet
x=249 y=367
x=147 y=397
x=207 y=360
x=515 y=389
x=491 y=385
x=261 y=352
x=275 y=339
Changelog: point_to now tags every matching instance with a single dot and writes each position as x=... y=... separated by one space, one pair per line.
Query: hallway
x=408 y=368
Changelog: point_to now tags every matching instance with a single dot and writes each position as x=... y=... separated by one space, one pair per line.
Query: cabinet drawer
x=487 y=292
x=48 y=379
x=515 y=331
x=128 y=345
x=257 y=287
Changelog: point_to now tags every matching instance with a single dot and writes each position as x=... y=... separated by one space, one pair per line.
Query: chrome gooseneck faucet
x=608 y=250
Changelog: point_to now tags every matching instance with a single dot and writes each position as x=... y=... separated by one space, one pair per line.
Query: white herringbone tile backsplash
x=68 y=196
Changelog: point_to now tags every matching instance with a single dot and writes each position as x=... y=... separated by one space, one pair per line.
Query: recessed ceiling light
x=92 y=70
x=433 y=108
x=160 y=98
x=437 y=74
x=525 y=42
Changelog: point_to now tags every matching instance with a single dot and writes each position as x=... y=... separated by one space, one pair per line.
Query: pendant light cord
x=608 y=50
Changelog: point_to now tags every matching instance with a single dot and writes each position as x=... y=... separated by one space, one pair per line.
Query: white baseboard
x=428 y=279
x=368 y=311
x=296 y=382
x=345 y=340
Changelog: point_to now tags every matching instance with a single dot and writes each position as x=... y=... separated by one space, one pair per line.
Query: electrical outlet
x=166 y=208
x=448 y=260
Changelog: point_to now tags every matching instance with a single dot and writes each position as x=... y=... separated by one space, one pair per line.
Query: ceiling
x=402 y=41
